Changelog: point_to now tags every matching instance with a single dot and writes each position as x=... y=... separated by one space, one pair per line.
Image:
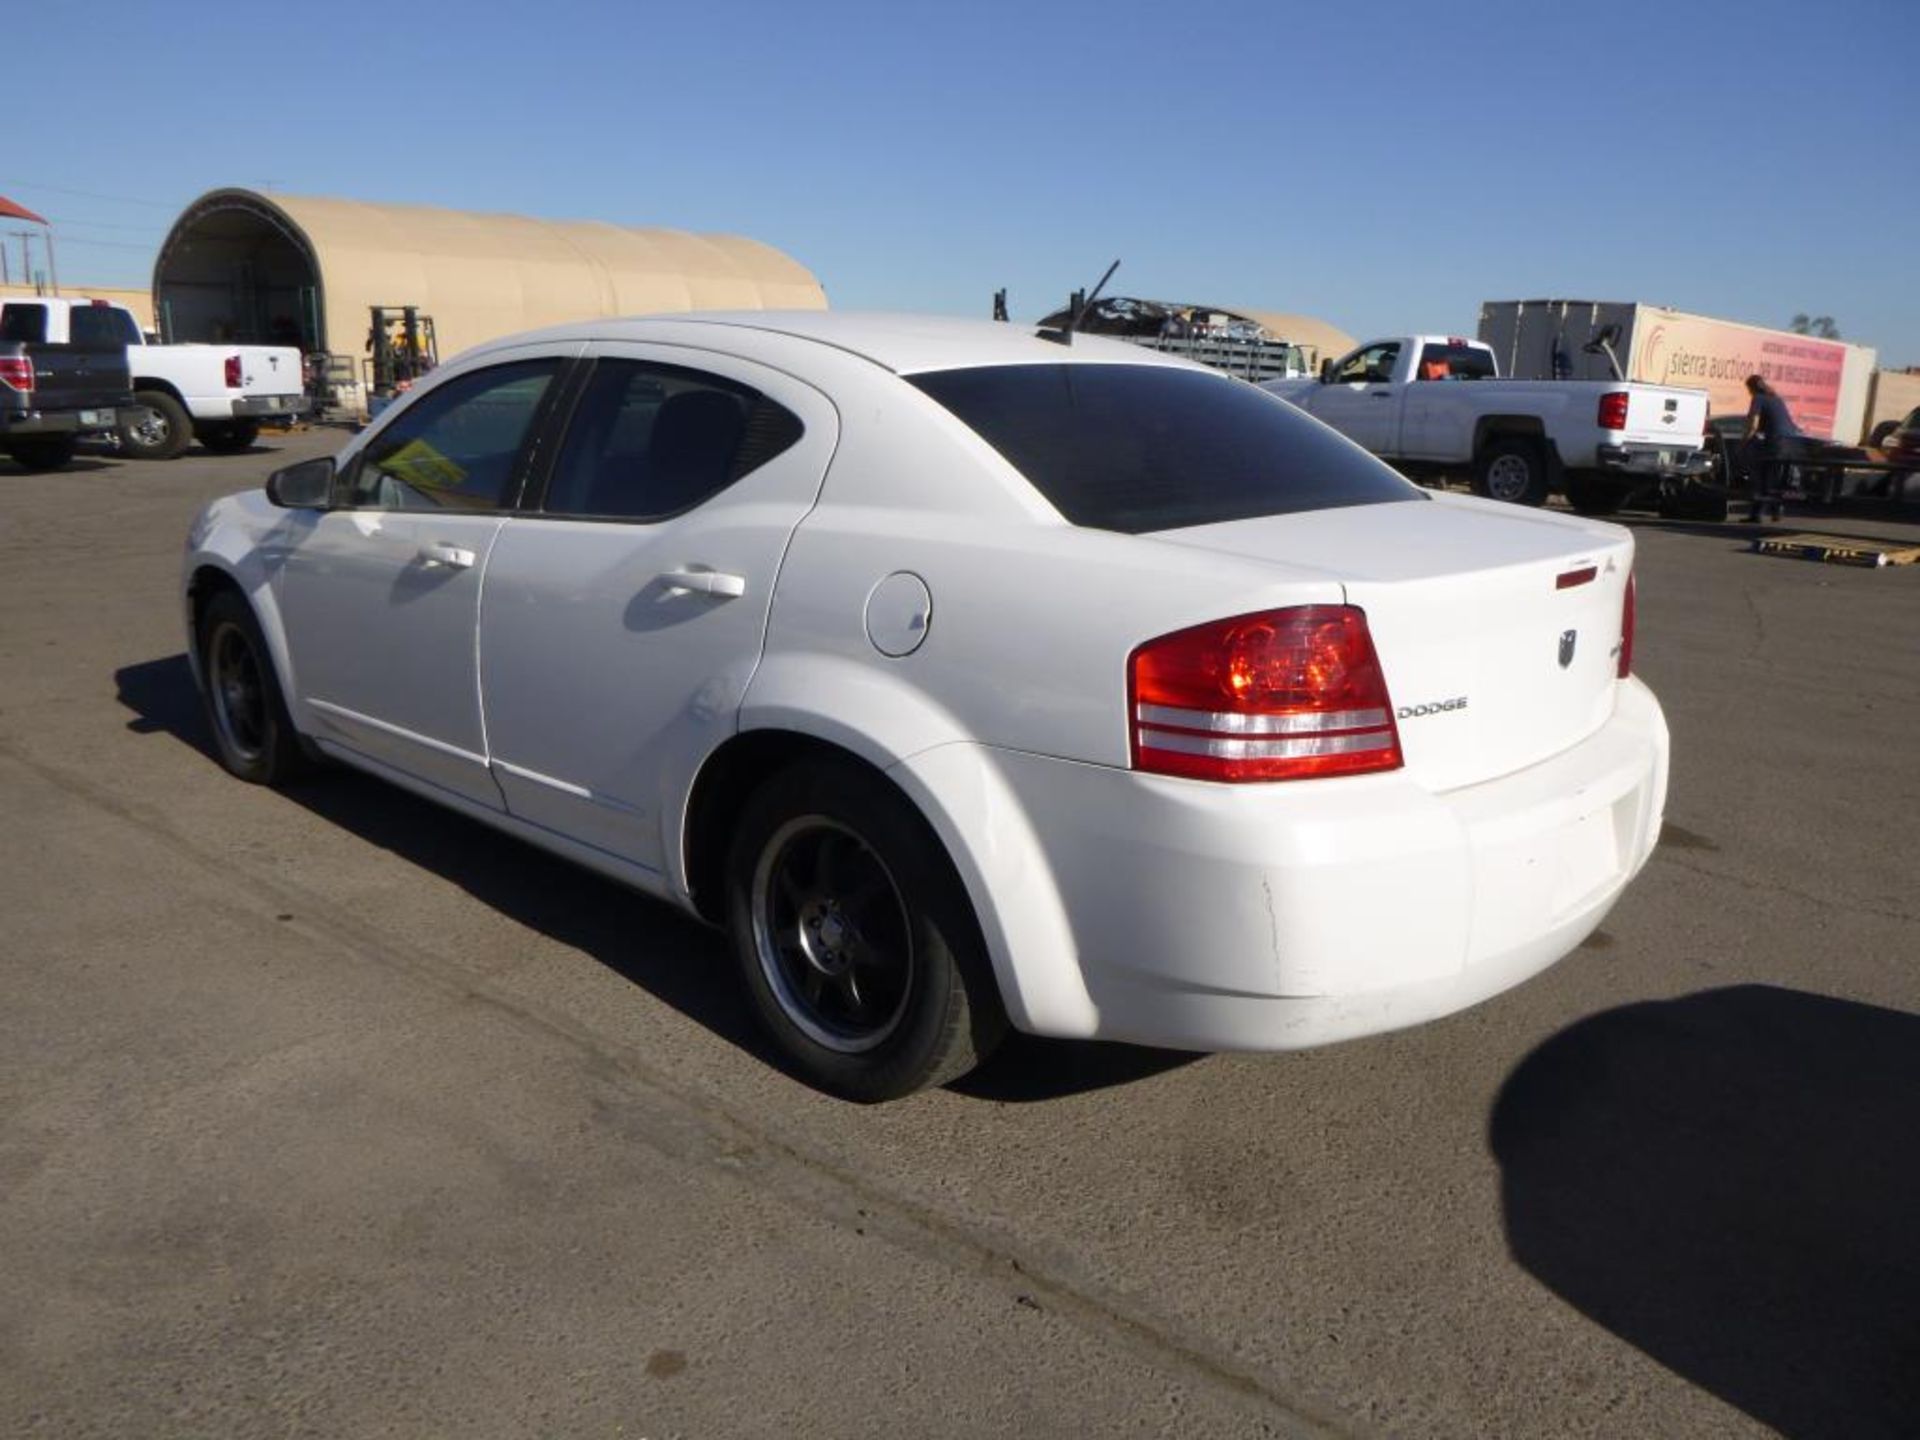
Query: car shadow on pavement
x=1730 y=1182
x=651 y=944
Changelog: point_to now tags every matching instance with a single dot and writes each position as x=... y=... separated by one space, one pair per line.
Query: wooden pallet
x=1838 y=549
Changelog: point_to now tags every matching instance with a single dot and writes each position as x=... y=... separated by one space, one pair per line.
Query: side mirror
x=306 y=486
x=1326 y=372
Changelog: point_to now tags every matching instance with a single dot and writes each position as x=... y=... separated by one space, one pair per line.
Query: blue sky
x=1385 y=166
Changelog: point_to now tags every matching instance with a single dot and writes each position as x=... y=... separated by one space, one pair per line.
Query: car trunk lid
x=1497 y=629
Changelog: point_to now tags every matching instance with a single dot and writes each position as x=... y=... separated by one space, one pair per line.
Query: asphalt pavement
x=328 y=1113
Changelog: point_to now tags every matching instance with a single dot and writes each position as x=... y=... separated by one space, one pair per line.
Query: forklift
x=401 y=348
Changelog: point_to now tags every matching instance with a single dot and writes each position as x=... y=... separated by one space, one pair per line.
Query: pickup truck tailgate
x=67 y=377
x=1663 y=415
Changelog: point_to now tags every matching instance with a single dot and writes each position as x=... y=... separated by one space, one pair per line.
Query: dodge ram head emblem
x=1568 y=639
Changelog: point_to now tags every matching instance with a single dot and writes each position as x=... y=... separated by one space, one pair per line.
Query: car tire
x=253 y=736
x=1514 y=470
x=42 y=452
x=854 y=936
x=230 y=437
x=1592 y=494
x=154 y=427
x=1880 y=432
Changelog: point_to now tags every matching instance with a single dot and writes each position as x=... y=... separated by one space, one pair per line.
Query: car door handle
x=452 y=556
x=1381 y=394
x=707 y=582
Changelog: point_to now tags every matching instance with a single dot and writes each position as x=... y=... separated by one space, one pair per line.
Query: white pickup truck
x=1437 y=404
x=218 y=394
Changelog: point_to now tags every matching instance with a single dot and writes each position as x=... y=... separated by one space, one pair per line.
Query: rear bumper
x=1651 y=462
x=260 y=407
x=1277 y=917
x=59 y=422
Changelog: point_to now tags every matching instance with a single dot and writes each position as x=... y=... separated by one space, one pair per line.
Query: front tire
x=854 y=936
x=155 y=427
x=252 y=733
x=42 y=452
x=1514 y=470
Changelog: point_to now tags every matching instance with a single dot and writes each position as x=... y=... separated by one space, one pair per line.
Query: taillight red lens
x=16 y=372
x=233 y=372
x=1626 y=632
x=1613 y=410
x=1280 y=695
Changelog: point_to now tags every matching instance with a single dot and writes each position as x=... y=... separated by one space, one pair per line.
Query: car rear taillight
x=1280 y=695
x=1626 y=632
x=16 y=372
x=1613 y=410
x=233 y=372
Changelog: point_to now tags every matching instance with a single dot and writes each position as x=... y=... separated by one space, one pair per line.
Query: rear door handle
x=707 y=582
x=452 y=556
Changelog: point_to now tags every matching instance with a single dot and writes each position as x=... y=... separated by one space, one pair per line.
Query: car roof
x=905 y=344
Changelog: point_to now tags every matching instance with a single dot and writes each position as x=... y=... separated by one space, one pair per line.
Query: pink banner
x=1717 y=357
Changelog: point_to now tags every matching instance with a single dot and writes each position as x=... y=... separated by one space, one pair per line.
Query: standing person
x=1770 y=425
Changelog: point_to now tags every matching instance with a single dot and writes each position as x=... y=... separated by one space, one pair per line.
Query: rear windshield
x=1454 y=362
x=101 y=326
x=1140 y=447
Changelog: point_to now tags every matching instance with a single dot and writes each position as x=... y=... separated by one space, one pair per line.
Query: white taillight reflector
x=1279 y=695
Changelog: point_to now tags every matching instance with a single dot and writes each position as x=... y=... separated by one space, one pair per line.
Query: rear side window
x=1454 y=362
x=101 y=327
x=23 y=324
x=649 y=441
x=1136 y=448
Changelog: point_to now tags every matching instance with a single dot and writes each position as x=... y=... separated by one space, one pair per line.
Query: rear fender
x=964 y=796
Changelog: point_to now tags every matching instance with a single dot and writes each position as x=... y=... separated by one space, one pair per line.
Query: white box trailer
x=1826 y=383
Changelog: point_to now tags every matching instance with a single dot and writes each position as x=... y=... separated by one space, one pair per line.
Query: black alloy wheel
x=252 y=732
x=854 y=936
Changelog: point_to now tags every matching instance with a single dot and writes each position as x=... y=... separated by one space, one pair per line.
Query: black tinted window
x=1136 y=447
x=457 y=447
x=648 y=441
x=23 y=324
x=101 y=327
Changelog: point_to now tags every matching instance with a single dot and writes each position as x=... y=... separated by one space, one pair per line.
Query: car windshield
x=1136 y=448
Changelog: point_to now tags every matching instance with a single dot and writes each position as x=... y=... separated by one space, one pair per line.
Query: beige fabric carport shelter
x=245 y=266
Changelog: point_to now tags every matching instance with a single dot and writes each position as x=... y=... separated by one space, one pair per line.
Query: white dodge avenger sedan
x=965 y=676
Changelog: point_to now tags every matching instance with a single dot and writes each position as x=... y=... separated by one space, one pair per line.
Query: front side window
x=1373 y=365
x=1136 y=448
x=650 y=441
x=101 y=327
x=457 y=448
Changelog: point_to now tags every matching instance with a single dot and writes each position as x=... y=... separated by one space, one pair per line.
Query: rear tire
x=155 y=427
x=854 y=936
x=42 y=452
x=1593 y=494
x=1514 y=470
x=230 y=437
x=252 y=733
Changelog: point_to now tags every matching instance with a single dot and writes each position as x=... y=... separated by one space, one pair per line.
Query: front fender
x=232 y=539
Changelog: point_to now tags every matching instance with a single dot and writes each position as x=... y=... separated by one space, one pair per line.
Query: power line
x=108 y=225
x=75 y=242
x=93 y=195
